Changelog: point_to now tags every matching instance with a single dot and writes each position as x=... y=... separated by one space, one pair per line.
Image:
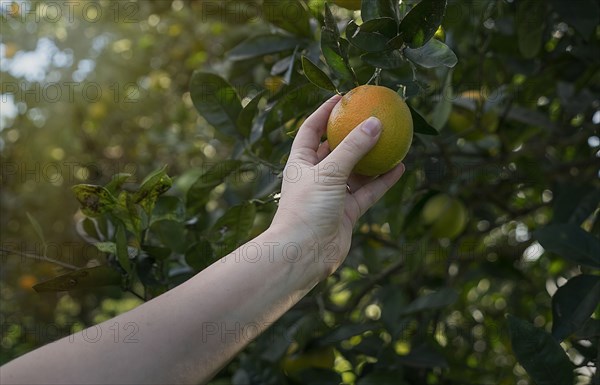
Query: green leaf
x=380 y=377
x=94 y=200
x=146 y=271
x=198 y=194
x=595 y=230
x=584 y=17
x=374 y=9
x=424 y=356
x=282 y=65
x=433 y=54
x=335 y=52
x=335 y=49
x=531 y=20
x=344 y=332
x=316 y=76
x=87 y=229
x=330 y=23
x=106 y=247
x=290 y=15
x=116 y=182
x=568 y=197
x=304 y=328
x=277 y=348
x=168 y=207
x=589 y=330
x=585 y=207
x=127 y=211
x=231 y=229
x=369 y=345
x=385 y=26
x=157 y=252
x=170 y=233
x=216 y=101
x=316 y=375
x=541 y=355
x=367 y=41
x=246 y=116
x=573 y=304
x=442 y=109
x=385 y=59
x=122 y=252
x=262 y=45
x=414 y=215
x=420 y=125
x=154 y=185
x=111 y=248
x=443 y=298
x=570 y=242
x=291 y=105
x=287 y=76
x=199 y=255
x=420 y=24
x=81 y=279
x=36 y=227
x=392 y=301
x=395 y=43
x=216 y=173
x=236 y=223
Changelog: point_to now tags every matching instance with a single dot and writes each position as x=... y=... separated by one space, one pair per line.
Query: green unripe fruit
x=323 y=358
x=445 y=216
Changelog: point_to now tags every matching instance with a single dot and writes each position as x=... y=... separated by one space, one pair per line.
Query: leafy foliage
x=505 y=113
x=541 y=355
x=420 y=24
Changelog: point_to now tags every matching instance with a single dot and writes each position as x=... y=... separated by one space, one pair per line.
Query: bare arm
x=187 y=334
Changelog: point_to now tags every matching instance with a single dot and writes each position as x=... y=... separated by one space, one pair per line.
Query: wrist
x=298 y=250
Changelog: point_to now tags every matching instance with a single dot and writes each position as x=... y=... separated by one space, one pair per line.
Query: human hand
x=321 y=199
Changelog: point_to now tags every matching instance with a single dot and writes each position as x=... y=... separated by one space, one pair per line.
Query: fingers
x=309 y=135
x=356 y=181
x=369 y=194
x=354 y=146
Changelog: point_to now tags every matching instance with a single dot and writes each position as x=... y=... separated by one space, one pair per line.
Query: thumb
x=355 y=145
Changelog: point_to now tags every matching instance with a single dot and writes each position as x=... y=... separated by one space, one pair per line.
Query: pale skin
x=189 y=333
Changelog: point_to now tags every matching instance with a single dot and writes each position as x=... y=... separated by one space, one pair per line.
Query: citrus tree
x=480 y=266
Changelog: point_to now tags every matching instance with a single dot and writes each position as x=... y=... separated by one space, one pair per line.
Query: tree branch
x=39 y=258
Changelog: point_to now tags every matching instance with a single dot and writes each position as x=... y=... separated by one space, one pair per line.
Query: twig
x=375 y=76
x=40 y=258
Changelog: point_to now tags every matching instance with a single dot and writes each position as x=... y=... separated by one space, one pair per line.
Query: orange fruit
x=396 y=130
x=348 y=4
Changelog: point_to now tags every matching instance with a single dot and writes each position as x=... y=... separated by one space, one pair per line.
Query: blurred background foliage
x=107 y=91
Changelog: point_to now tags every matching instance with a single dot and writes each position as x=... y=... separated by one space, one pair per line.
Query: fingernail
x=371 y=126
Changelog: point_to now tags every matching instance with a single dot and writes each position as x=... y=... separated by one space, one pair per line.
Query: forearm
x=190 y=332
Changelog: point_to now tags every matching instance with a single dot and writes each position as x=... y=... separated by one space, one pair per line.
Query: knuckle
x=352 y=144
x=371 y=196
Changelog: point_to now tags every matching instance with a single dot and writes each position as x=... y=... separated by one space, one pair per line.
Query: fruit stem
x=375 y=76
